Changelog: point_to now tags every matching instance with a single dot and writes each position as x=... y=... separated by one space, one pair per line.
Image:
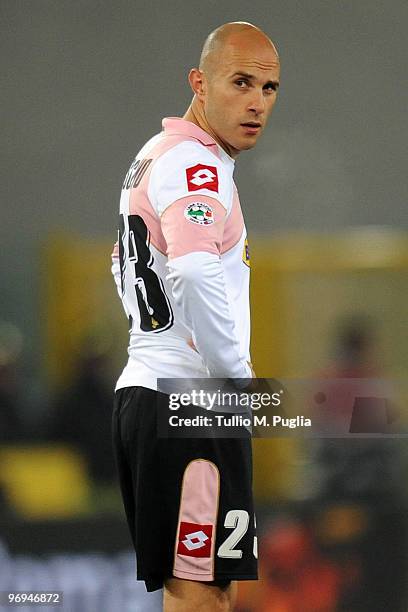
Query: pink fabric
x=177 y=131
x=176 y=125
x=184 y=236
x=139 y=203
x=234 y=224
x=198 y=505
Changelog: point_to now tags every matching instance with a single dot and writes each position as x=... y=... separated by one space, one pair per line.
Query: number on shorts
x=238 y=520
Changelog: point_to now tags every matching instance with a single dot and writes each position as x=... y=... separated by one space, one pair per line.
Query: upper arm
x=191 y=191
x=193 y=223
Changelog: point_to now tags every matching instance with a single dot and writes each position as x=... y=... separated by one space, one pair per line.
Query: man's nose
x=257 y=103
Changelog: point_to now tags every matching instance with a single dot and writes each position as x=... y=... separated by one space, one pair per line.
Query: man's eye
x=270 y=88
x=241 y=82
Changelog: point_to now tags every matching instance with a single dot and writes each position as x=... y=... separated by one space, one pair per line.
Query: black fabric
x=150 y=472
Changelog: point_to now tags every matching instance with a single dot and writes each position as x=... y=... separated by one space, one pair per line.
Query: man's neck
x=195 y=116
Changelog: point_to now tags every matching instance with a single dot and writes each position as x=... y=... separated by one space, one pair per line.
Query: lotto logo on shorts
x=194 y=540
x=202 y=177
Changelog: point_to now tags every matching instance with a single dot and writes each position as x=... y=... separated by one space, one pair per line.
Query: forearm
x=199 y=290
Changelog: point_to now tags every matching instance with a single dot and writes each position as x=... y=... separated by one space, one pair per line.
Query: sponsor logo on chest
x=245 y=254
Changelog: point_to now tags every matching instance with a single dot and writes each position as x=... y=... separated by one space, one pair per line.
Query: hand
x=192 y=345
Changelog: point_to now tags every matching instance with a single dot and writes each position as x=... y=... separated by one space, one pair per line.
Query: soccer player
x=181 y=265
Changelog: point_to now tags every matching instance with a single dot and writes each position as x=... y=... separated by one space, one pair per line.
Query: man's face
x=240 y=94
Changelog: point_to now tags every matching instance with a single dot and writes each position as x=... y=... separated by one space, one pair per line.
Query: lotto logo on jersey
x=194 y=540
x=200 y=213
x=202 y=177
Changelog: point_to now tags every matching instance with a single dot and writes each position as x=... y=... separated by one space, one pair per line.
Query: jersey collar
x=177 y=125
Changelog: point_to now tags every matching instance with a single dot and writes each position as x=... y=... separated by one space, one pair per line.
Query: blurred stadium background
x=324 y=194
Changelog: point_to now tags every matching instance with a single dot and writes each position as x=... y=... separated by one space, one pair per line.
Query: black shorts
x=188 y=502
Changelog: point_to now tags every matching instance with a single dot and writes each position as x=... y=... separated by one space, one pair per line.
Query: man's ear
x=197 y=82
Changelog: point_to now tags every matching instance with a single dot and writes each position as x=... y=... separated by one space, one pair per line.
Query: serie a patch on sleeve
x=200 y=213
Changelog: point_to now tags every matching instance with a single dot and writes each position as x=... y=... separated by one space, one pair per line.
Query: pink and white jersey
x=181 y=263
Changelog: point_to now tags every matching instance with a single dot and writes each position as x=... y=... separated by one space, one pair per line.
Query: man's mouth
x=252 y=124
x=251 y=127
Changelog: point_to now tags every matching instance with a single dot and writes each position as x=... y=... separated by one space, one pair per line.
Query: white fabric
x=168 y=178
x=199 y=290
x=208 y=294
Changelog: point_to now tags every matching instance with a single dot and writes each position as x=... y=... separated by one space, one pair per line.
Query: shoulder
x=188 y=167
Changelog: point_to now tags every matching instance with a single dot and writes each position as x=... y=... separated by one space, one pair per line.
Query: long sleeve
x=197 y=280
x=199 y=290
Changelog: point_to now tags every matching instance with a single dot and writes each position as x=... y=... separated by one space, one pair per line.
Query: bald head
x=235 y=86
x=233 y=36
